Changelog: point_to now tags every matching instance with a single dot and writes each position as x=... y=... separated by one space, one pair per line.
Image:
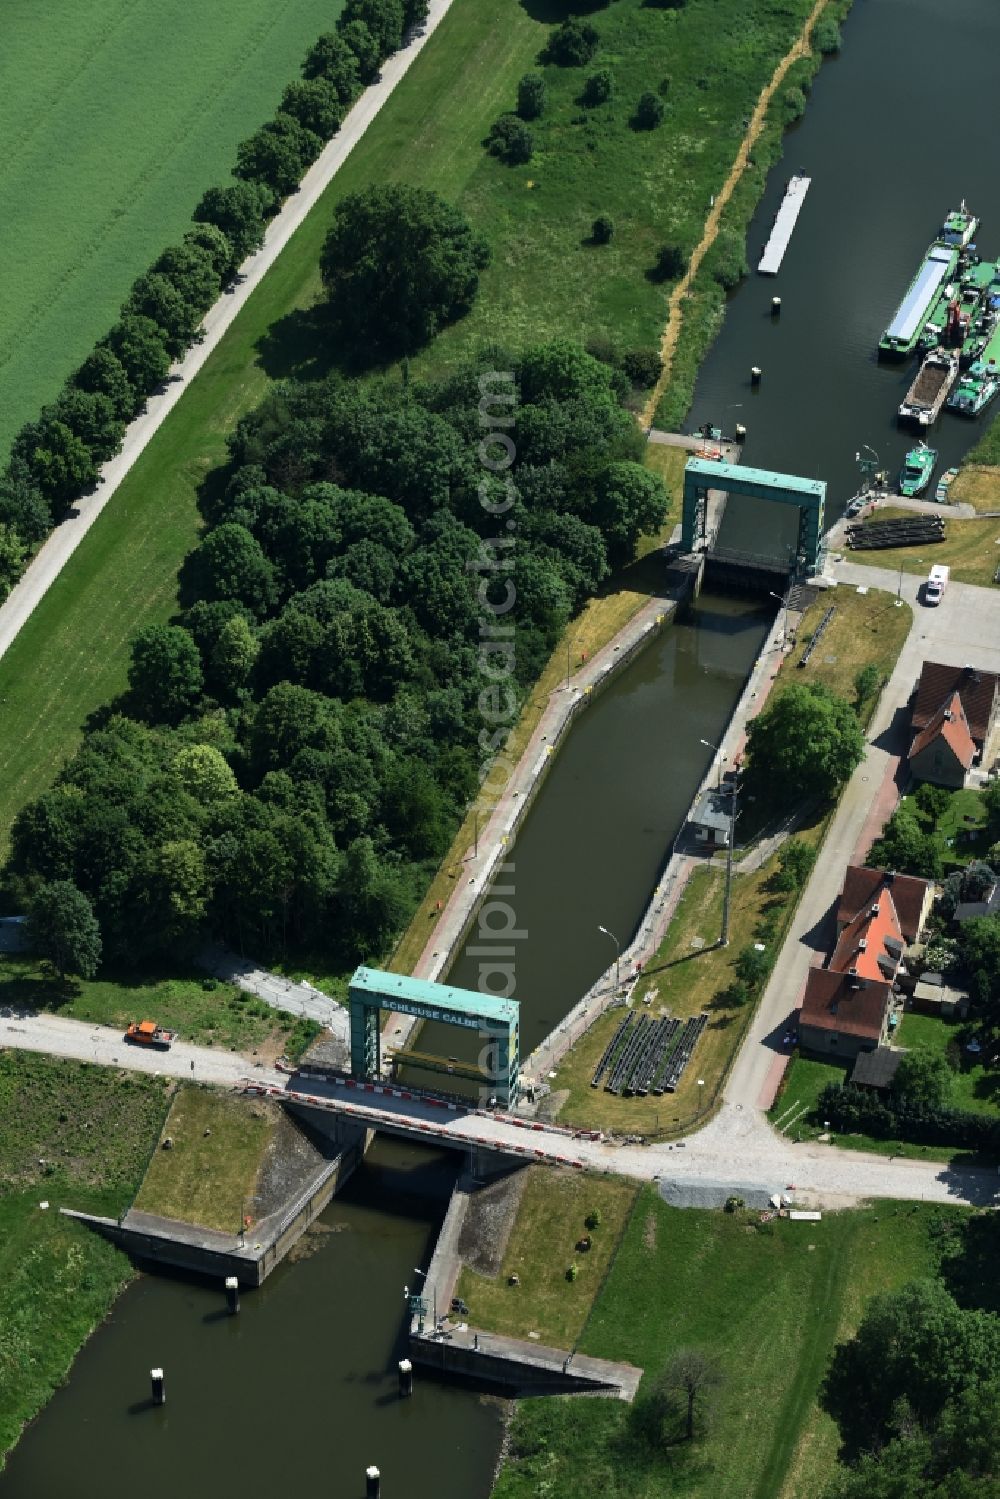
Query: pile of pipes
x=913 y=531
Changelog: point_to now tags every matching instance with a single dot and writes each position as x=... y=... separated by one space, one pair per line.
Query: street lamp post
x=618 y=956
x=727 y=896
x=783 y=601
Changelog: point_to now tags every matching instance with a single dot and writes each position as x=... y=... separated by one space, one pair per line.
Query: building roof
x=456 y=1006
x=863 y=886
x=876 y=1069
x=966 y=910
x=977 y=689
x=712 y=810
x=832 y=1003
x=951 y=725
x=872 y=942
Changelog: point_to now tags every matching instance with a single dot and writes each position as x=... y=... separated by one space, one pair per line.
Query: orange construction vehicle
x=148 y=1033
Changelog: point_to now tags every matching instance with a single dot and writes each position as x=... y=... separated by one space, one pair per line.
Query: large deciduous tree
x=398 y=264
x=241 y=212
x=165 y=675
x=62 y=928
x=807 y=742
x=277 y=154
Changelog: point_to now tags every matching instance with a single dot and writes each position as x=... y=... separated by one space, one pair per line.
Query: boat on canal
x=979 y=383
x=918 y=467
x=937 y=268
x=944 y=484
x=930 y=389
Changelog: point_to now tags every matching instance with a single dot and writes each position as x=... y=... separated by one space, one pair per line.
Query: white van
x=937 y=582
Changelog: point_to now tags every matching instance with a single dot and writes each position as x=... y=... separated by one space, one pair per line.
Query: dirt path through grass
x=800 y=48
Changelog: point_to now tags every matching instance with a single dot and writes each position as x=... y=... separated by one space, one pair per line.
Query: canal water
x=889 y=154
x=296 y=1395
x=591 y=848
x=300 y=1389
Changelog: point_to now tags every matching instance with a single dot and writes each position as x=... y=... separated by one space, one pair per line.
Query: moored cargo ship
x=929 y=390
x=978 y=385
x=936 y=269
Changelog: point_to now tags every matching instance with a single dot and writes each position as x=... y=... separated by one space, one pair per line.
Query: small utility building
x=711 y=817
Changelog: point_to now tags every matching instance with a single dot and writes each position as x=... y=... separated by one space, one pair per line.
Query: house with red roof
x=955 y=722
x=847 y=1006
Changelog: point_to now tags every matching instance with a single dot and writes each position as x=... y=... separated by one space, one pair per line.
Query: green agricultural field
x=115 y=116
x=769 y=1301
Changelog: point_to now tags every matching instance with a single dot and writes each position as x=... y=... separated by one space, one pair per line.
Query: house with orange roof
x=955 y=722
x=847 y=1006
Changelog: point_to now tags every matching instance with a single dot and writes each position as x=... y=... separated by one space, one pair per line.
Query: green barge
x=937 y=269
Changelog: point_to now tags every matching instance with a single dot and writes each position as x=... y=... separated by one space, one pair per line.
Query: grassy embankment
x=769 y=1301
x=550 y=1222
x=201 y=1009
x=94 y=180
x=690 y=973
x=79 y=1136
x=209 y=1174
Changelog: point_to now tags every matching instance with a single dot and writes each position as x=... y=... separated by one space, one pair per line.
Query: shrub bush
x=671 y=263
x=603 y=230
x=599 y=87
x=510 y=140
x=648 y=112
x=572 y=44
x=857 y=1110
x=727 y=260
x=826 y=36
x=531 y=96
x=643 y=367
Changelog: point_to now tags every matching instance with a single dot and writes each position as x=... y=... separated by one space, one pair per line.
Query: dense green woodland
x=296 y=751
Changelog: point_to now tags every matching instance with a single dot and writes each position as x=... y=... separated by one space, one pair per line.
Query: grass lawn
x=971 y=549
x=974 y=1084
x=209 y=1174
x=962 y=831
x=550 y=1221
x=866 y=630
x=221 y=1014
x=93 y=1129
x=116 y=115
x=769 y=1301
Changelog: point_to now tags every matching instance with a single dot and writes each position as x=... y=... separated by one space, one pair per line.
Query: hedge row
x=55 y=459
x=856 y=1110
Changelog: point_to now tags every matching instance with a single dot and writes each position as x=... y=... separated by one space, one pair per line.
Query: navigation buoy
x=373 y=1483
x=405 y=1377
x=755 y=374
x=158 y=1387
x=775 y=306
x=232 y=1294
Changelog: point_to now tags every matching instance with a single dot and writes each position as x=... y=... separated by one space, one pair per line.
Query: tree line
x=297 y=748
x=55 y=459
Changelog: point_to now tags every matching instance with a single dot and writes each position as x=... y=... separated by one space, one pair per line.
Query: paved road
x=280 y=993
x=66 y=537
x=738 y=1149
